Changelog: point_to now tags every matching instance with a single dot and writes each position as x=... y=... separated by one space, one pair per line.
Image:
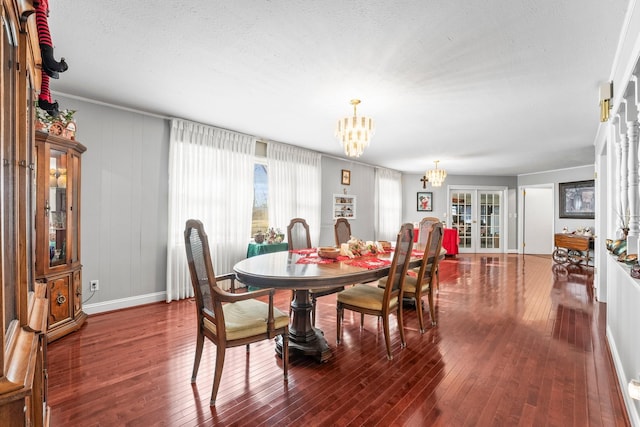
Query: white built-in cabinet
x=344 y=206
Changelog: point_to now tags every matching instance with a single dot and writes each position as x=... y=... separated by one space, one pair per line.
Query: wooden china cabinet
x=58 y=231
x=23 y=302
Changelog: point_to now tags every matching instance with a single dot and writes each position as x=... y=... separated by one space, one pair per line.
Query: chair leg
x=387 y=338
x=432 y=308
x=361 y=320
x=339 y=312
x=196 y=362
x=218 y=373
x=419 y=313
x=403 y=342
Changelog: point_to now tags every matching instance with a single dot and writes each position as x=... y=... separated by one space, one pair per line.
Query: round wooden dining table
x=284 y=270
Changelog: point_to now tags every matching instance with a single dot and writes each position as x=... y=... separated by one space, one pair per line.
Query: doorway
x=537 y=220
x=478 y=215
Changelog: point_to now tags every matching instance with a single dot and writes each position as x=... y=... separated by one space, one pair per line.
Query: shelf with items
x=344 y=206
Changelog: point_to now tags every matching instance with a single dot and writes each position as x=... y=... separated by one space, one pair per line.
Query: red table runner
x=306 y=251
x=370 y=263
x=315 y=260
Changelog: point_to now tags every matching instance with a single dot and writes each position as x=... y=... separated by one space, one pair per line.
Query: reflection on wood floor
x=519 y=341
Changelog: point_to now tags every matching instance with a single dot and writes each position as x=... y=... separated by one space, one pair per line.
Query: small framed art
x=346 y=177
x=425 y=201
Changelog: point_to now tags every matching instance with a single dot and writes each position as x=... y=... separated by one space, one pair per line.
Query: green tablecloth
x=265 y=248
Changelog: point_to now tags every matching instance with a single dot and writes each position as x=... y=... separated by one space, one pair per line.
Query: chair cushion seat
x=410 y=284
x=248 y=318
x=417 y=269
x=365 y=296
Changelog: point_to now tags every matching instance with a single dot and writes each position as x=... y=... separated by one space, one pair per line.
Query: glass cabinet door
x=74 y=210
x=56 y=206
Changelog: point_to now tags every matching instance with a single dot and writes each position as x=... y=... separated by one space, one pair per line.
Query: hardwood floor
x=518 y=342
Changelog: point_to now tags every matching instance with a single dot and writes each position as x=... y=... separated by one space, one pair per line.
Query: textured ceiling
x=488 y=87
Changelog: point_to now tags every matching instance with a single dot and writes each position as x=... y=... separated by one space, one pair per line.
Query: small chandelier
x=355 y=132
x=436 y=176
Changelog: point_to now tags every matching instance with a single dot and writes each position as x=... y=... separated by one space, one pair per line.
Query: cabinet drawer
x=59 y=301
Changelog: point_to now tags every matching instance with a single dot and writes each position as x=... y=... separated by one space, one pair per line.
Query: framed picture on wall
x=346 y=177
x=425 y=201
x=577 y=199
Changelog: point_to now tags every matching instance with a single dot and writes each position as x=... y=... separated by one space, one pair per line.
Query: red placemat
x=370 y=263
x=304 y=251
x=315 y=260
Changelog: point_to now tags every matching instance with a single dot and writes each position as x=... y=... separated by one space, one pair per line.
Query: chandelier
x=355 y=132
x=436 y=176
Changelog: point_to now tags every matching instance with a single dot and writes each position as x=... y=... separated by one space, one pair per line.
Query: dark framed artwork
x=425 y=201
x=577 y=199
x=346 y=177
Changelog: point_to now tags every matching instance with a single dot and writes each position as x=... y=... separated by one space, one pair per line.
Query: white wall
x=124 y=204
x=362 y=186
x=582 y=173
x=623 y=318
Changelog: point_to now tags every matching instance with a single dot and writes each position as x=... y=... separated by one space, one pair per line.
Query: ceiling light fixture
x=354 y=133
x=436 y=176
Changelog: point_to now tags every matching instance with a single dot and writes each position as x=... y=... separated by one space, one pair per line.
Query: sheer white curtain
x=210 y=179
x=389 y=202
x=294 y=187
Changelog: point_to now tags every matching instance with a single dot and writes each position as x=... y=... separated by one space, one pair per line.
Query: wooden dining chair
x=381 y=301
x=424 y=230
x=228 y=319
x=423 y=283
x=342 y=231
x=298 y=235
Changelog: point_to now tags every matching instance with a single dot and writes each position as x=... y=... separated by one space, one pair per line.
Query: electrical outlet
x=94 y=285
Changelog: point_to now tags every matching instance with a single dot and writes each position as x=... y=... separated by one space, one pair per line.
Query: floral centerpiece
x=274 y=235
x=356 y=247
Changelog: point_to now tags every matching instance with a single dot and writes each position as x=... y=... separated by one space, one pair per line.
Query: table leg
x=304 y=338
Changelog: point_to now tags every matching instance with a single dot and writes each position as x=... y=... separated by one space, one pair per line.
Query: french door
x=478 y=215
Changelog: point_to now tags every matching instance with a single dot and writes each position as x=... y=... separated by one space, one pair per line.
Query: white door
x=537 y=220
x=477 y=214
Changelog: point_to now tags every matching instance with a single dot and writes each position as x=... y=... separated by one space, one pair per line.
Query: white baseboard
x=118 y=304
x=622 y=380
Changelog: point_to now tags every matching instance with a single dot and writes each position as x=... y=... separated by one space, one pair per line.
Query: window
x=260 y=219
